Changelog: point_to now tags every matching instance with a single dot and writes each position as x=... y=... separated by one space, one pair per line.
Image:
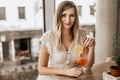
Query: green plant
x=116 y=52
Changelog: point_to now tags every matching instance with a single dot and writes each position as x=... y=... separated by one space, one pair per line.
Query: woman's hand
x=74 y=72
x=89 y=42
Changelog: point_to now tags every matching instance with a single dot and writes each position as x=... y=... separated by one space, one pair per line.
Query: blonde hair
x=58 y=23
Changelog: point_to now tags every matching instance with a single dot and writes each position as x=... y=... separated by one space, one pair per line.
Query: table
x=95 y=73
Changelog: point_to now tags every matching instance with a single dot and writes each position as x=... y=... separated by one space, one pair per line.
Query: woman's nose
x=68 y=19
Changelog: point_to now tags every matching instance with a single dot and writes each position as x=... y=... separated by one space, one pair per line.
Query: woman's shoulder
x=46 y=36
x=47 y=33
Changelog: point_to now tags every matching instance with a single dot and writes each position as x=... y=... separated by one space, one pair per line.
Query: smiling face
x=68 y=18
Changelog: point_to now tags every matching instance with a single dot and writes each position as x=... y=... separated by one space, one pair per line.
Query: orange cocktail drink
x=82 y=60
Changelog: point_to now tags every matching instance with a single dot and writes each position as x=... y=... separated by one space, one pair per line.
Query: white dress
x=59 y=59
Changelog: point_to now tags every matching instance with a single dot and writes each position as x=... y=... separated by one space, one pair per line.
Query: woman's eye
x=63 y=15
x=72 y=15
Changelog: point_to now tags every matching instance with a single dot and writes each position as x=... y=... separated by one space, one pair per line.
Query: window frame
x=2 y=13
x=21 y=12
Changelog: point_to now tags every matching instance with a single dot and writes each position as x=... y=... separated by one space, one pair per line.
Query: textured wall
x=105 y=28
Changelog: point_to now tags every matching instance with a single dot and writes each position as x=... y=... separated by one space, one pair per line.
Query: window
x=92 y=9
x=21 y=11
x=79 y=9
x=2 y=13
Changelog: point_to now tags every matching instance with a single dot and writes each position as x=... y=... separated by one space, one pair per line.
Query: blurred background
x=22 y=23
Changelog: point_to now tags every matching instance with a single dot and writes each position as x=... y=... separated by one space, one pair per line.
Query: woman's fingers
x=88 y=42
x=92 y=43
x=78 y=72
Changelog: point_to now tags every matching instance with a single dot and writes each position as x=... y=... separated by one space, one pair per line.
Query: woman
x=57 y=55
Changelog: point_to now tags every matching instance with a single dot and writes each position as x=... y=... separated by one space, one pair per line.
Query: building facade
x=21 y=26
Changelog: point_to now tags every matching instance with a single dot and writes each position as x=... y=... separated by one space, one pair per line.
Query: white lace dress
x=59 y=59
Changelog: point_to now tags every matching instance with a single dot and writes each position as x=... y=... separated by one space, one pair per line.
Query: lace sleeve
x=46 y=39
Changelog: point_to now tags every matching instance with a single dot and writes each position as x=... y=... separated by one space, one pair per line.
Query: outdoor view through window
x=22 y=23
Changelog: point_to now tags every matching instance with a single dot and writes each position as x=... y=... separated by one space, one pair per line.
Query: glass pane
x=20 y=37
x=39 y=13
x=21 y=14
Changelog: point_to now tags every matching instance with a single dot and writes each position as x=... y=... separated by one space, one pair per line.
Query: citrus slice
x=78 y=49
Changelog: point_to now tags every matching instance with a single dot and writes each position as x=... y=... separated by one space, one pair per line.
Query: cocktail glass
x=82 y=60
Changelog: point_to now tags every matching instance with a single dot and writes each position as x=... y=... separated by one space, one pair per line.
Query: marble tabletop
x=95 y=73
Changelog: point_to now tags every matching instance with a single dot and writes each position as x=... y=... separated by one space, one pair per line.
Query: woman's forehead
x=70 y=10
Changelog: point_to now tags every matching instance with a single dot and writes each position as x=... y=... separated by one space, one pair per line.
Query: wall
x=105 y=29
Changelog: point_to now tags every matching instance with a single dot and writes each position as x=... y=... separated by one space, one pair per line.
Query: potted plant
x=115 y=69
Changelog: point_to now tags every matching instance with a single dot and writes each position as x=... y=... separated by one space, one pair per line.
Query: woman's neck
x=66 y=34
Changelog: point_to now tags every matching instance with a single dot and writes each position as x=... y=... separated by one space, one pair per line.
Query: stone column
x=1 y=52
x=35 y=47
x=12 y=50
x=105 y=29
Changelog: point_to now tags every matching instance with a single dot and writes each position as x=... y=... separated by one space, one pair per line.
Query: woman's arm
x=90 y=43
x=90 y=57
x=45 y=70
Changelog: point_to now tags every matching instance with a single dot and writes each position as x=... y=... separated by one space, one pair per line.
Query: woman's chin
x=67 y=27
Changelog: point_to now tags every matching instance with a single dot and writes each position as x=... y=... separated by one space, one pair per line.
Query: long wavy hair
x=58 y=23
